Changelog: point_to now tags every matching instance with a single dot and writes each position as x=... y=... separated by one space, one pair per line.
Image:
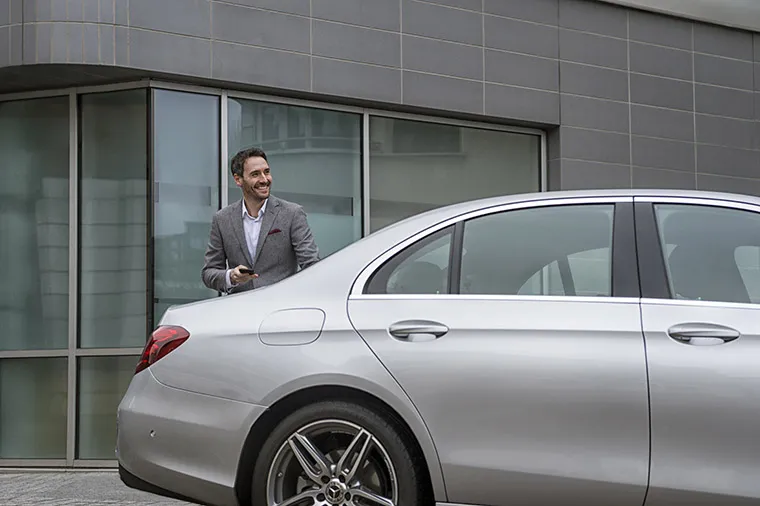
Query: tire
x=327 y=426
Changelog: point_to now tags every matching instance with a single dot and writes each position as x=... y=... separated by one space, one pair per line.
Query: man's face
x=256 y=179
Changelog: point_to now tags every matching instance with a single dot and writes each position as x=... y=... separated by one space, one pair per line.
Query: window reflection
x=416 y=166
x=186 y=193
x=315 y=156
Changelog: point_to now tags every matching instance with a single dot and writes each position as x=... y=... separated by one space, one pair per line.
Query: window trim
x=381 y=275
x=655 y=282
x=619 y=239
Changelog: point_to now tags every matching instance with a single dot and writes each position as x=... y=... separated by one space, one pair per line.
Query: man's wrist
x=228 y=277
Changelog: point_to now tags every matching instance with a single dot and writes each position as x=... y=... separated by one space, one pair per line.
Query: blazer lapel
x=237 y=226
x=273 y=207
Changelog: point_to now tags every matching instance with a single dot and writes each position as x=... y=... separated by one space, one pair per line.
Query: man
x=260 y=239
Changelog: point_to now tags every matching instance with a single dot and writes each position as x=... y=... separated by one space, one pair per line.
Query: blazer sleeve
x=215 y=261
x=302 y=239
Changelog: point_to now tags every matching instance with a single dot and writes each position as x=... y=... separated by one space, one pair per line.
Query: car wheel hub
x=335 y=491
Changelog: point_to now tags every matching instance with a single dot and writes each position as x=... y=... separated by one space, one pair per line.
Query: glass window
x=34 y=223
x=558 y=250
x=315 y=157
x=422 y=268
x=33 y=395
x=114 y=219
x=103 y=381
x=711 y=253
x=186 y=193
x=417 y=166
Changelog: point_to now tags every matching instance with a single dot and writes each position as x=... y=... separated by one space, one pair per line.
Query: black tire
x=409 y=473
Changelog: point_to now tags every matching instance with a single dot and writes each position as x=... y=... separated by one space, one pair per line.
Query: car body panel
x=260 y=374
x=527 y=400
x=180 y=440
x=705 y=407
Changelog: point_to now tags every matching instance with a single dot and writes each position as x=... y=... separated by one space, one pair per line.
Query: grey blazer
x=285 y=243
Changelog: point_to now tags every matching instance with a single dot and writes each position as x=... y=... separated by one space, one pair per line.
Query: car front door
x=516 y=332
x=700 y=272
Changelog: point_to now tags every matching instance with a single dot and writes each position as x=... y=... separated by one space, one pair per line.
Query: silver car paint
x=183 y=441
x=528 y=400
x=705 y=399
x=705 y=407
x=226 y=361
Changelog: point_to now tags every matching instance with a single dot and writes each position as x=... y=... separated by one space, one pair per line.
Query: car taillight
x=162 y=341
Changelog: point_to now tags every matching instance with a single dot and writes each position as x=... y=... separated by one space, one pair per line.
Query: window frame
x=378 y=280
x=624 y=270
x=655 y=279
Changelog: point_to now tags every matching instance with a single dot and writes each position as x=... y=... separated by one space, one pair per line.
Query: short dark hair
x=239 y=159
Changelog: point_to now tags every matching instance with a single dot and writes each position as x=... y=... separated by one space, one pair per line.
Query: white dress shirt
x=251 y=229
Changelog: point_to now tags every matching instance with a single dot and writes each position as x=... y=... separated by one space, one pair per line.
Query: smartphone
x=246 y=271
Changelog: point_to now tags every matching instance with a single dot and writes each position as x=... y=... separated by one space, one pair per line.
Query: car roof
x=453 y=210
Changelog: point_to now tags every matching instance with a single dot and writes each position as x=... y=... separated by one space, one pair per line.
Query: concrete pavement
x=73 y=488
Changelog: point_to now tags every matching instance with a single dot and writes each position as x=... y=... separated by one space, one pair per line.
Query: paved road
x=73 y=488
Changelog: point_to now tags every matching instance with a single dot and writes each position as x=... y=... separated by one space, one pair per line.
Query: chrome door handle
x=703 y=333
x=418 y=330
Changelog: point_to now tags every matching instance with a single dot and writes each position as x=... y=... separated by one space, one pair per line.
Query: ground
x=73 y=488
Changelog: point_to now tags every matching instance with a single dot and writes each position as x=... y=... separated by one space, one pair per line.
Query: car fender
x=388 y=391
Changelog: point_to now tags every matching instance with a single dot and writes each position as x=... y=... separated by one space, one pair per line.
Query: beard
x=253 y=192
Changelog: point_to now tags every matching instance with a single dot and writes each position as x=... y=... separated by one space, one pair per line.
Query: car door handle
x=418 y=330
x=703 y=333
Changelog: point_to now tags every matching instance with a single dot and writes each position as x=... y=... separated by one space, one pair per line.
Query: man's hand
x=237 y=277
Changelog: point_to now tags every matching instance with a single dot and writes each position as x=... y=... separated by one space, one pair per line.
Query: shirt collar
x=261 y=211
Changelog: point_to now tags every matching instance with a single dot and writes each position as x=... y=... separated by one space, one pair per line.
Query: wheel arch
x=295 y=400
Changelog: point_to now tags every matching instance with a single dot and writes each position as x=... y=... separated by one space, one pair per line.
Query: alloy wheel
x=332 y=463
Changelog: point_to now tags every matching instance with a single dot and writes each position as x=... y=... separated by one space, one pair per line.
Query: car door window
x=711 y=253
x=422 y=268
x=555 y=250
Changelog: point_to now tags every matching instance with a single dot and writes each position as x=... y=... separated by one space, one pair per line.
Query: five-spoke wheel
x=335 y=454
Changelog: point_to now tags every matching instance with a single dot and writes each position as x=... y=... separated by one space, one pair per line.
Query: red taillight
x=162 y=342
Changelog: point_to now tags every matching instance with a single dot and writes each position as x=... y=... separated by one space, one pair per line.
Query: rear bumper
x=136 y=483
x=180 y=444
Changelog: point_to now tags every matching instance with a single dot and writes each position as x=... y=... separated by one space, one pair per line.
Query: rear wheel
x=335 y=454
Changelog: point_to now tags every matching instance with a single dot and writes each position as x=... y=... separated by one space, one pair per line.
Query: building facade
x=118 y=119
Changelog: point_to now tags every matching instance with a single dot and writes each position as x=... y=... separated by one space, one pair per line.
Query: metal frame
x=357 y=290
x=72 y=353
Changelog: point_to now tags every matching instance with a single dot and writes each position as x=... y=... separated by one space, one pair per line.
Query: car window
x=711 y=253
x=556 y=250
x=422 y=268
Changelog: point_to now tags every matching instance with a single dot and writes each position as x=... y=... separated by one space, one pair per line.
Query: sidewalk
x=73 y=488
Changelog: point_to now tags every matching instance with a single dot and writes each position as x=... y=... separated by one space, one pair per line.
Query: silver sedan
x=594 y=348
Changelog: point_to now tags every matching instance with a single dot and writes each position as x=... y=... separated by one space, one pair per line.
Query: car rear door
x=516 y=332
x=700 y=273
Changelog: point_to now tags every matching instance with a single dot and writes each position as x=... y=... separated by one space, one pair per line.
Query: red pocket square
x=275 y=231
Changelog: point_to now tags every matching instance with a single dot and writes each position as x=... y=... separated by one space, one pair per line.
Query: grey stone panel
x=521 y=37
x=356 y=43
x=538 y=11
x=594 y=17
x=644 y=177
x=441 y=57
x=383 y=14
x=585 y=174
x=356 y=80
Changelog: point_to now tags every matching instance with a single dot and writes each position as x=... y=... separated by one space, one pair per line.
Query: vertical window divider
x=365 y=196
x=543 y=178
x=223 y=151
x=73 y=315
x=151 y=211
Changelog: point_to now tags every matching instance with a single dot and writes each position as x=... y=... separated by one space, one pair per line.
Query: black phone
x=246 y=271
